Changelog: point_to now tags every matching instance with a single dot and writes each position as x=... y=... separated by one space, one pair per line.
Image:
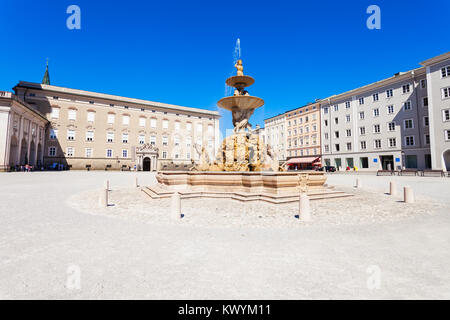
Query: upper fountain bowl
x=240 y=102
x=240 y=81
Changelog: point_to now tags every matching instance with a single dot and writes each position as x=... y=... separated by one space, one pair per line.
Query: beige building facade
x=89 y=130
x=303 y=131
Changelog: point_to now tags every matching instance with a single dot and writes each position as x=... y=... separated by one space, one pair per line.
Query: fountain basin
x=240 y=102
x=270 y=182
x=240 y=81
x=273 y=187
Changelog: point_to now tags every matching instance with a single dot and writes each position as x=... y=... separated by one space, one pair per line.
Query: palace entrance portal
x=147 y=157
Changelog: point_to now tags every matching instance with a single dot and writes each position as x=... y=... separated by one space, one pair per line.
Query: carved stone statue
x=240 y=119
x=240 y=92
x=204 y=162
x=272 y=158
x=239 y=67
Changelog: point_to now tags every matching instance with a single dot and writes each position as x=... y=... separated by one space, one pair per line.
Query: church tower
x=46 y=79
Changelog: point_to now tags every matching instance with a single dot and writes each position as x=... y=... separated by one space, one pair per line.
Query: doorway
x=428 y=161
x=338 y=163
x=364 y=162
x=411 y=161
x=387 y=162
x=146 y=164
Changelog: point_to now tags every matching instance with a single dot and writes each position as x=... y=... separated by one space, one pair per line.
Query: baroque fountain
x=244 y=168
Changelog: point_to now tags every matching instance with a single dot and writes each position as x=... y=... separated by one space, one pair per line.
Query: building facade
x=383 y=125
x=100 y=131
x=438 y=92
x=396 y=123
x=261 y=132
x=22 y=133
x=275 y=133
x=303 y=131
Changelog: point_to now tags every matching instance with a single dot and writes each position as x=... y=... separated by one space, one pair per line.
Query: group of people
x=23 y=168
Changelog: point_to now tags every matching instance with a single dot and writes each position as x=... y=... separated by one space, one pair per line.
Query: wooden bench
x=433 y=173
x=409 y=172
x=385 y=173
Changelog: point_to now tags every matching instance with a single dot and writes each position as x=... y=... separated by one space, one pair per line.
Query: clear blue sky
x=181 y=52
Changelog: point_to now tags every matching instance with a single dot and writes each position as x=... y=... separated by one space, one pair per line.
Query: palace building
x=50 y=126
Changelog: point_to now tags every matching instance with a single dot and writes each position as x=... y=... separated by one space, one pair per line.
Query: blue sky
x=181 y=52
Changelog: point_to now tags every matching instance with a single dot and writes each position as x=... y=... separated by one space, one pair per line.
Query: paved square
x=45 y=242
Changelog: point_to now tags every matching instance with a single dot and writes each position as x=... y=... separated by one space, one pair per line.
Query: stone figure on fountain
x=243 y=150
x=239 y=67
x=240 y=119
x=204 y=162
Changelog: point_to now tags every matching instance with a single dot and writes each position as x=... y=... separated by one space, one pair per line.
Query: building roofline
x=378 y=84
x=104 y=96
x=306 y=105
x=280 y=114
x=437 y=59
x=11 y=96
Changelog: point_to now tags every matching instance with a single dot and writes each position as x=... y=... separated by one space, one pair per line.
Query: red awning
x=303 y=160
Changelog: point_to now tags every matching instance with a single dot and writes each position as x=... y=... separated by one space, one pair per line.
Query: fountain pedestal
x=273 y=187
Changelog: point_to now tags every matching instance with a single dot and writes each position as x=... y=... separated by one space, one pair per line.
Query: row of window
x=445 y=93
x=125 y=138
x=300 y=120
x=302 y=152
x=376 y=97
x=376 y=112
x=113 y=105
x=301 y=111
x=407 y=124
x=300 y=130
x=111 y=118
x=271 y=129
x=302 y=142
x=274 y=137
x=70 y=152
x=377 y=143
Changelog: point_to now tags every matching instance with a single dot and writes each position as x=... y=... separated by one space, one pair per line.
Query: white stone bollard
x=358 y=183
x=408 y=194
x=107 y=185
x=304 y=210
x=103 y=200
x=175 y=209
x=136 y=184
x=392 y=188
